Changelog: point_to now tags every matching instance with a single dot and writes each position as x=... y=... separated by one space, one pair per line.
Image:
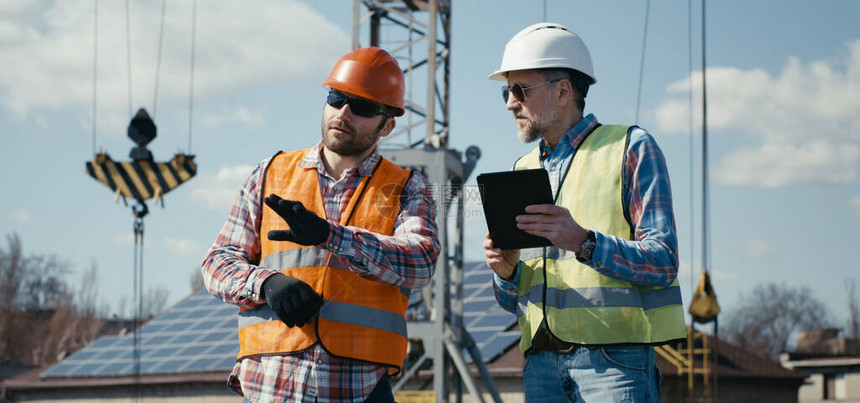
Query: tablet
x=504 y=196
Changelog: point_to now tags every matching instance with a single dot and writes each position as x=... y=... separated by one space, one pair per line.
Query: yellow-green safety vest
x=581 y=305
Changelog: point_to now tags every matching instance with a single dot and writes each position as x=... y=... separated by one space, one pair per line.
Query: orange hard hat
x=370 y=73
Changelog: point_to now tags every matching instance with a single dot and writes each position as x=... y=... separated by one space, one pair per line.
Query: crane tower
x=418 y=34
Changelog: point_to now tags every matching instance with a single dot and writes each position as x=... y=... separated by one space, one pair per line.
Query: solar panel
x=196 y=335
x=199 y=335
x=484 y=319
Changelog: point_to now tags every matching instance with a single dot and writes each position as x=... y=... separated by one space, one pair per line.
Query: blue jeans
x=623 y=373
x=382 y=392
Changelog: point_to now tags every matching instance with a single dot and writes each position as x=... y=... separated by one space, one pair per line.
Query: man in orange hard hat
x=348 y=234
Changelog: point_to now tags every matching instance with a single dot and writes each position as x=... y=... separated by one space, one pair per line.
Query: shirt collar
x=574 y=136
x=313 y=159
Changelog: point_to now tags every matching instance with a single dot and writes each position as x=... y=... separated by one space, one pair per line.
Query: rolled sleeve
x=405 y=259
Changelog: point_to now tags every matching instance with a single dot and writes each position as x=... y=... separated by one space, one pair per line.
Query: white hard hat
x=542 y=46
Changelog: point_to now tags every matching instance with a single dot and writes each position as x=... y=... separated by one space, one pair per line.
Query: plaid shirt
x=652 y=257
x=406 y=259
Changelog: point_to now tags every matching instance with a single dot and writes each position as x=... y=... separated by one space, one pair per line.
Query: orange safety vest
x=360 y=319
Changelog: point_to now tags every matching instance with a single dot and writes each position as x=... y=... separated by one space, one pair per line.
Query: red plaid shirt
x=406 y=259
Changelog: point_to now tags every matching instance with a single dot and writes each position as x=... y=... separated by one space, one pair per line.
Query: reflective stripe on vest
x=360 y=319
x=336 y=311
x=306 y=257
x=597 y=309
x=593 y=297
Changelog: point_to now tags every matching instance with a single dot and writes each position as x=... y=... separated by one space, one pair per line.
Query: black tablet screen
x=504 y=196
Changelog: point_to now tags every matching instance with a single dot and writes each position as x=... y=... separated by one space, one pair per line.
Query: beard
x=530 y=129
x=352 y=143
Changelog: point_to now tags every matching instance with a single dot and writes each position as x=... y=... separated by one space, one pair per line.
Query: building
x=832 y=364
x=723 y=372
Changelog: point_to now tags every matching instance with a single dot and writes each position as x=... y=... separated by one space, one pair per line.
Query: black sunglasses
x=360 y=107
x=519 y=92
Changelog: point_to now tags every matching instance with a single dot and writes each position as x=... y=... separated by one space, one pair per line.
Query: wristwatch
x=587 y=248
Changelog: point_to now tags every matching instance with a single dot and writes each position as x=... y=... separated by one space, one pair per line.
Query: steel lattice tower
x=418 y=34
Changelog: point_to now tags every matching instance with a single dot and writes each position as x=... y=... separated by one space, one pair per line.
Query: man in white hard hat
x=592 y=305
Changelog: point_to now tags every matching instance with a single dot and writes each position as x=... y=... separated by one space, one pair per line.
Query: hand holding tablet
x=504 y=196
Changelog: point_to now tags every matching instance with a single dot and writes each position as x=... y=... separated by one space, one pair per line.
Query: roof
x=196 y=335
x=807 y=361
x=733 y=362
x=197 y=339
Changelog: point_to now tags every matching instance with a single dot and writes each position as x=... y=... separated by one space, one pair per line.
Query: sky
x=783 y=97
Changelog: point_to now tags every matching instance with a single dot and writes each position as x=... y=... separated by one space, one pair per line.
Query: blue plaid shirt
x=652 y=257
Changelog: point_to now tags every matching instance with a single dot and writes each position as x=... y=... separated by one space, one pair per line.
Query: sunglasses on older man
x=519 y=92
x=360 y=107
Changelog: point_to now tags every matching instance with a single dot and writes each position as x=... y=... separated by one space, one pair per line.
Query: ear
x=388 y=127
x=564 y=91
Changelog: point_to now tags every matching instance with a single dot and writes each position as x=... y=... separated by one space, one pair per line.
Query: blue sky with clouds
x=783 y=96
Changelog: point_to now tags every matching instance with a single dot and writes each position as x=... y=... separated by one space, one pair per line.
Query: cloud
x=725 y=277
x=240 y=115
x=181 y=246
x=801 y=124
x=773 y=165
x=47 y=51
x=854 y=205
x=21 y=215
x=123 y=239
x=219 y=191
x=756 y=248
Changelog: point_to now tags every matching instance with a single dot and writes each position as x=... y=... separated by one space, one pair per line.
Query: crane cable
x=706 y=257
x=139 y=211
x=690 y=122
x=129 y=62
x=191 y=85
x=95 y=67
x=129 y=65
x=642 y=60
x=158 y=62
x=128 y=52
x=705 y=212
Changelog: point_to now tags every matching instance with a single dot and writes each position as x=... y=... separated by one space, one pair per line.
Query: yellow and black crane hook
x=142 y=178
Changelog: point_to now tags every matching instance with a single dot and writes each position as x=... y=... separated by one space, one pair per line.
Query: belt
x=544 y=340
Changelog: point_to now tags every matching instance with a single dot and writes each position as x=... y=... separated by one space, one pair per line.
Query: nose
x=344 y=113
x=512 y=103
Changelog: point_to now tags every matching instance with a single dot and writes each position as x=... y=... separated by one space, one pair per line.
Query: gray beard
x=534 y=131
x=528 y=136
x=531 y=132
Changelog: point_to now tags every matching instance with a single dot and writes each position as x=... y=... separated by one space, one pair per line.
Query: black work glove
x=306 y=228
x=293 y=300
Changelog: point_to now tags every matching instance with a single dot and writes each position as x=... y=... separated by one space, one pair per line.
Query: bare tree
x=38 y=318
x=853 y=309
x=154 y=302
x=765 y=320
x=42 y=287
x=10 y=280
x=196 y=281
x=86 y=298
x=30 y=289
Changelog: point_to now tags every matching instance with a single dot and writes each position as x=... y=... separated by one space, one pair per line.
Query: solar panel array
x=196 y=335
x=199 y=335
x=487 y=323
